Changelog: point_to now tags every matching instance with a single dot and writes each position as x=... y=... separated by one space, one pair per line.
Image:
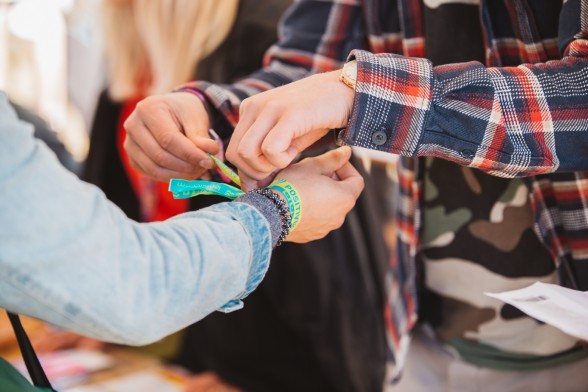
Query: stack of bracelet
x=282 y=208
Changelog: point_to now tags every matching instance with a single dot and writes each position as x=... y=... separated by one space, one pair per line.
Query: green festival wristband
x=292 y=198
x=183 y=189
x=226 y=170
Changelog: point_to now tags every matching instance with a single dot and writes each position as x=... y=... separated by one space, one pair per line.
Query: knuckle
x=269 y=151
x=249 y=103
x=143 y=106
x=166 y=140
x=128 y=124
x=350 y=203
x=231 y=157
x=245 y=153
x=190 y=156
x=160 y=158
x=244 y=108
x=151 y=170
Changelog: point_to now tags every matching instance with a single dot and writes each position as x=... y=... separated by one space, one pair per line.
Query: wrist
x=342 y=99
x=269 y=210
x=279 y=202
x=201 y=97
x=348 y=74
x=288 y=192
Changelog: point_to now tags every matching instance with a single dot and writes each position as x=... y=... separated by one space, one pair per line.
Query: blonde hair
x=153 y=46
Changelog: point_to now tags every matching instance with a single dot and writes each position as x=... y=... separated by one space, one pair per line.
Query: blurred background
x=76 y=76
x=50 y=63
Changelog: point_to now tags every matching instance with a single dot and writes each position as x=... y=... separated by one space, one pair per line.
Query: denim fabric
x=70 y=257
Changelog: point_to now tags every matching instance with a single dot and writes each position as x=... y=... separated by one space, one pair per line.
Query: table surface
x=126 y=361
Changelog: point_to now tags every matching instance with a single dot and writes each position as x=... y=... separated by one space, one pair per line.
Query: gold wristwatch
x=349 y=74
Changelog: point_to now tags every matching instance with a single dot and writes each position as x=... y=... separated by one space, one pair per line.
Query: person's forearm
x=69 y=256
x=510 y=122
x=303 y=49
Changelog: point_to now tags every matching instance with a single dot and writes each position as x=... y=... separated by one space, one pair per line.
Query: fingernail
x=206 y=164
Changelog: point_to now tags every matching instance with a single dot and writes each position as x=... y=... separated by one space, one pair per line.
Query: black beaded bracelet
x=282 y=209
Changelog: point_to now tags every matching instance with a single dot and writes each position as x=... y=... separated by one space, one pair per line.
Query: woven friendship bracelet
x=282 y=208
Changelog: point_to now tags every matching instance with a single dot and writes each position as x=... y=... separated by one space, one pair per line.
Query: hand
x=274 y=126
x=167 y=137
x=328 y=187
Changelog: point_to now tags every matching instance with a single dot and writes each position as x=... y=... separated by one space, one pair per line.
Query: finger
x=194 y=122
x=347 y=170
x=145 y=144
x=268 y=180
x=142 y=163
x=142 y=137
x=277 y=146
x=160 y=173
x=331 y=161
x=206 y=144
x=168 y=135
x=238 y=134
x=249 y=148
x=301 y=143
x=259 y=179
x=351 y=180
x=282 y=144
x=248 y=183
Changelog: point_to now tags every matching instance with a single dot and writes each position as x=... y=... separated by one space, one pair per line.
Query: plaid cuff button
x=379 y=138
x=467 y=154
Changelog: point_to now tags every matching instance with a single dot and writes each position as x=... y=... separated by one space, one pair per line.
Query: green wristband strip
x=183 y=189
x=292 y=197
x=226 y=170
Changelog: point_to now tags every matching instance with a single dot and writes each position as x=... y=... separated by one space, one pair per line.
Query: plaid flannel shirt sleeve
x=508 y=121
x=307 y=45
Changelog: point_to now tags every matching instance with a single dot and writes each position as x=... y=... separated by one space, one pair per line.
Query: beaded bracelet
x=282 y=209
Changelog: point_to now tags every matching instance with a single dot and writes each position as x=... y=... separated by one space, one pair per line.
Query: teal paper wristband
x=183 y=189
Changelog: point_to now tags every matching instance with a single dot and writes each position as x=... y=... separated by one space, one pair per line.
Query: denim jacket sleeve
x=69 y=256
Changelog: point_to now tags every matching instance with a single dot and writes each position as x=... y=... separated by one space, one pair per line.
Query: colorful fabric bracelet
x=290 y=211
x=227 y=171
x=292 y=198
x=183 y=189
x=283 y=210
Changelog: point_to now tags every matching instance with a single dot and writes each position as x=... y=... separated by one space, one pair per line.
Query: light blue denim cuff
x=257 y=224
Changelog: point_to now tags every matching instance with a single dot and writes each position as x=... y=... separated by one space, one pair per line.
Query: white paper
x=557 y=306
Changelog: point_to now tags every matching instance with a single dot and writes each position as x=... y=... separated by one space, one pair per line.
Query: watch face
x=349 y=73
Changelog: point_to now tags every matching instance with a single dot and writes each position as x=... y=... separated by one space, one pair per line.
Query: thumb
x=191 y=115
x=350 y=179
x=331 y=161
x=248 y=183
x=205 y=144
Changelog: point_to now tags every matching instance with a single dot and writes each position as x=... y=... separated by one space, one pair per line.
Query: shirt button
x=468 y=154
x=379 y=138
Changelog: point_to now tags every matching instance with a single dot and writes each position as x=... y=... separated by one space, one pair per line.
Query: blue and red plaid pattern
x=522 y=114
